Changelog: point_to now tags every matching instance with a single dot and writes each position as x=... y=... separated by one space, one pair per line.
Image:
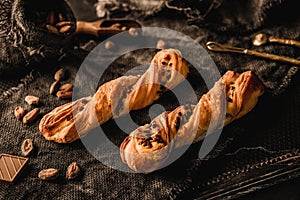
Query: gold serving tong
x=262 y=38
x=217 y=47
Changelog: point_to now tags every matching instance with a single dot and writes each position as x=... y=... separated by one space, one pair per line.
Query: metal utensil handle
x=284 y=41
x=273 y=57
x=214 y=46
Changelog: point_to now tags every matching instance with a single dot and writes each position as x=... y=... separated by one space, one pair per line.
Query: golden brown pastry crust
x=68 y=122
x=147 y=148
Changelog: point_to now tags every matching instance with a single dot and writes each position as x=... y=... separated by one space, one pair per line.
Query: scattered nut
x=48 y=174
x=65 y=28
x=61 y=17
x=52 y=29
x=32 y=100
x=27 y=147
x=66 y=87
x=109 y=45
x=54 y=87
x=19 y=112
x=161 y=44
x=124 y=28
x=64 y=94
x=100 y=11
x=62 y=23
x=116 y=25
x=30 y=116
x=73 y=171
x=133 y=32
x=60 y=74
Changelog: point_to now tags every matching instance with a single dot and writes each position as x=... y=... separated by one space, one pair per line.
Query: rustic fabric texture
x=24 y=38
x=244 y=151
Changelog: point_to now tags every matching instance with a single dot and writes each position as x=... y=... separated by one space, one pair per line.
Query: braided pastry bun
x=147 y=148
x=68 y=122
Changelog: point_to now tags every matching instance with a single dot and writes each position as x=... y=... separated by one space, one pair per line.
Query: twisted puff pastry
x=68 y=122
x=147 y=148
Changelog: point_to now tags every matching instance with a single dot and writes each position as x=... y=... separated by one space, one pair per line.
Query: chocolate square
x=11 y=166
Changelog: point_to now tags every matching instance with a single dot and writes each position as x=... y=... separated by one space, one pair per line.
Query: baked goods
x=148 y=147
x=68 y=122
